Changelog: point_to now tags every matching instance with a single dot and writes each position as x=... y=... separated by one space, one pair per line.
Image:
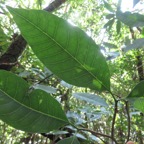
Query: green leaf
x=109 y=24
x=90 y=98
x=70 y=140
x=47 y=89
x=139 y=104
x=3 y=37
x=136 y=96
x=109 y=16
x=108 y=6
x=139 y=43
x=118 y=26
x=138 y=91
x=66 y=50
x=34 y=111
x=131 y=19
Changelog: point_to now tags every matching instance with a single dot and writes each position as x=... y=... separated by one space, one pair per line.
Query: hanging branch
x=10 y=57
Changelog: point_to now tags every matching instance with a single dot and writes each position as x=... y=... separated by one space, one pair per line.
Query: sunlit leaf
x=90 y=98
x=34 y=111
x=66 y=50
x=47 y=89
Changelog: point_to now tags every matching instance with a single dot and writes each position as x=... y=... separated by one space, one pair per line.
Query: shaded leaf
x=47 y=89
x=66 y=50
x=138 y=91
x=70 y=140
x=34 y=111
x=139 y=43
x=110 y=45
x=75 y=117
x=109 y=24
x=131 y=19
x=109 y=16
x=139 y=104
x=118 y=26
x=90 y=98
x=112 y=55
x=108 y=6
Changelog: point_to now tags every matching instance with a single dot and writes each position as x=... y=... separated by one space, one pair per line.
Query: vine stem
x=128 y=119
x=114 y=119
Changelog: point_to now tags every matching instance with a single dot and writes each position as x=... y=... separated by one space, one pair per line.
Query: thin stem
x=47 y=77
x=98 y=134
x=128 y=119
x=114 y=119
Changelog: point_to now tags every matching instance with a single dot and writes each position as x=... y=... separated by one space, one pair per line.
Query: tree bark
x=10 y=57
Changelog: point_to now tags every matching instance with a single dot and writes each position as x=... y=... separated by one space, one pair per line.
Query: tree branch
x=10 y=57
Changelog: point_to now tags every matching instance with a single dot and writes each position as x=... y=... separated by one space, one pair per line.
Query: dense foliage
x=74 y=76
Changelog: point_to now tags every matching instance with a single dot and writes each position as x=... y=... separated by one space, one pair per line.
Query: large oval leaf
x=34 y=111
x=66 y=50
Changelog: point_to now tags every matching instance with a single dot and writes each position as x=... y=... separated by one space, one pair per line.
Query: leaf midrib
x=30 y=107
x=59 y=46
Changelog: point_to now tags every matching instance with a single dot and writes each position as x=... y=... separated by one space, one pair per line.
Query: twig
x=114 y=118
x=98 y=134
x=54 y=5
x=128 y=120
x=44 y=79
